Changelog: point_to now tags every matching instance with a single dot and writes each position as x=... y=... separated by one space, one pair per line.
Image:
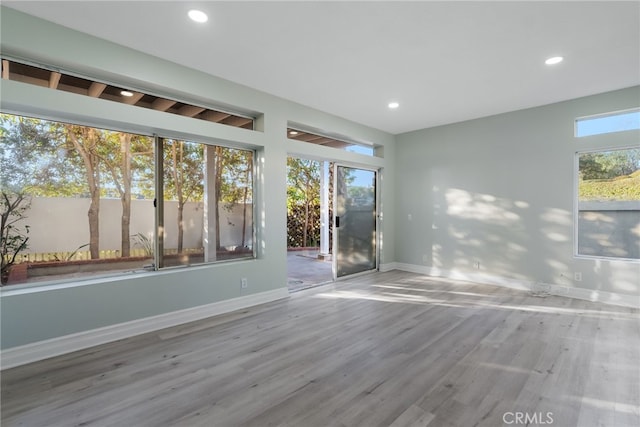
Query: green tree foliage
x=188 y=164
x=14 y=237
x=234 y=178
x=610 y=175
x=609 y=164
x=34 y=158
x=127 y=153
x=52 y=159
x=303 y=199
x=90 y=145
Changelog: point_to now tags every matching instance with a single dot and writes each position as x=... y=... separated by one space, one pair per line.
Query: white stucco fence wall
x=59 y=224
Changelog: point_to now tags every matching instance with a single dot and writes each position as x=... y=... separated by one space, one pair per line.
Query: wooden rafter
x=96 y=89
x=307 y=137
x=54 y=79
x=5 y=69
x=214 y=116
x=336 y=144
x=317 y=139
x=190 y=110
x=323 y=141
x=162 y=104
x=236 y=121
x=132 y=100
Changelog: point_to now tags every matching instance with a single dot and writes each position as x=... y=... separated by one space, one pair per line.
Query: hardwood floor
x=388 y=349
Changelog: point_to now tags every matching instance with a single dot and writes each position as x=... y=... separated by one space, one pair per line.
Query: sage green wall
x=499 y=191
x=32 y=314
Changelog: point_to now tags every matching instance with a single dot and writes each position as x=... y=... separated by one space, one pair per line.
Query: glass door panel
x=355 y=221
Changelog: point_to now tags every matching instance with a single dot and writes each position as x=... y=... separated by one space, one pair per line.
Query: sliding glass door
x=355 y=220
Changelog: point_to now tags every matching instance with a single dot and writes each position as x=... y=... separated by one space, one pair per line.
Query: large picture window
x=608 y=223
x=79 y=201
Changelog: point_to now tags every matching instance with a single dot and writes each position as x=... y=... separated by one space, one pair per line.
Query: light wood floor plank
x=388 y=349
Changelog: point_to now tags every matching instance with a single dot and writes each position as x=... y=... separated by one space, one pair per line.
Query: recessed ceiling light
x=293 y=132
x=554 y=60
x=126 y=93
x=198 y=16
x=393 y=105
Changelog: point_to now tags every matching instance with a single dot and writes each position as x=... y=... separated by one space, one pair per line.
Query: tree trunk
x=178 y=176
x=94 y=223
x=306 y=223
x=218 y=172
x=247 y=177
x=125 y=147
x=244 y=216
x=86 y=149
x=180 y=226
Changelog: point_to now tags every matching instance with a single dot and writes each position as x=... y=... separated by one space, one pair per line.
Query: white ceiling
x=443 y=62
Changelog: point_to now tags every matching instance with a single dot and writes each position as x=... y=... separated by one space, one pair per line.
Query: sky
x=626 y=120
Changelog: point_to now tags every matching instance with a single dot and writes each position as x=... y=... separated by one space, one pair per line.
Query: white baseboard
x=45 y=349
x=388 y=267
x=599 y=296
x=488 y=279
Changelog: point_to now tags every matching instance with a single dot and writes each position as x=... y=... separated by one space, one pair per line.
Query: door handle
x=337 y=222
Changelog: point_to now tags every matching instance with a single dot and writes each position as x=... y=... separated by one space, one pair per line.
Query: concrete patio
x=305 y=270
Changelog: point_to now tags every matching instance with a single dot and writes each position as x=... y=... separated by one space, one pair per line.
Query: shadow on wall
x=484 y=234
x=609 y=229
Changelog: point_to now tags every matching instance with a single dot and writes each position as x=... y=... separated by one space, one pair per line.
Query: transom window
x=38 y=76
x=327 y=141
x=608 y=123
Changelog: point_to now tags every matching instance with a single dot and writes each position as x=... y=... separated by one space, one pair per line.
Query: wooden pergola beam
x=214 y=116
x=237 y=121
x=307 y=137
x=133 y=100
x=96 y=89
x=54 y=79
x=161 y=104
x=336 y=144
x=5 y=69
x=35 y=75
x=323 y=141
x=190 y=110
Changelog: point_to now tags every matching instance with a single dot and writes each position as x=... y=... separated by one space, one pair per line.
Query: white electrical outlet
x=244 y=283
x=577 y=276
x=476 y=265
